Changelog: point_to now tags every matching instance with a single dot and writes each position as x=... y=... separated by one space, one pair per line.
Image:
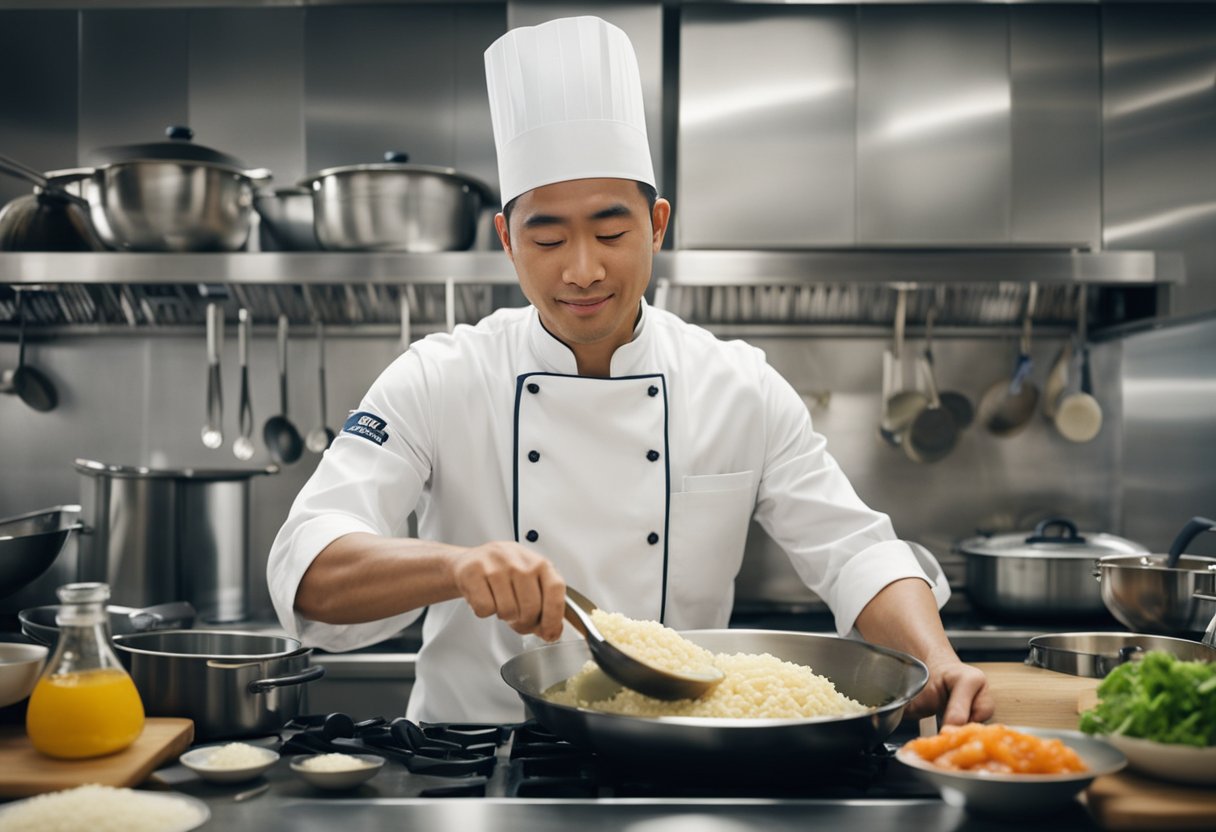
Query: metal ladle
x=934 y=431
x=631 y=672
x=242 y=446
x=213 y=432
x=320 y=437
x=28 y=383
x=1007 y=406
x=900 y=407
x=280 y=435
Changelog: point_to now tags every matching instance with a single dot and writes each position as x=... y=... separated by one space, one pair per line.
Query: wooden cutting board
x=1042 y=698
x=24 y=771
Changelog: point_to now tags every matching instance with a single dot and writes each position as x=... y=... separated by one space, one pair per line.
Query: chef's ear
x=660 y=215
x=504 y=235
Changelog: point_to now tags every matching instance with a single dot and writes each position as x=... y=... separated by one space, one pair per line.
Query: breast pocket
x=708 y=528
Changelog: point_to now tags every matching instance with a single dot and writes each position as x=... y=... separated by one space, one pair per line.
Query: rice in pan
x=755 y=686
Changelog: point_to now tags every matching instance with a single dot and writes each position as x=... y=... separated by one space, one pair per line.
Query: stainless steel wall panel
x=642 y=21
x=1056 y=76
x=246 y=86
x=934 y=144
x=1159 y=128
x=1169 y=453
x=479 y=26
x=134 y=76
x=38 y=97
x=377 y=79
x=766 y=138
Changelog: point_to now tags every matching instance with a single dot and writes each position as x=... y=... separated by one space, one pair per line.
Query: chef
x=587 y=439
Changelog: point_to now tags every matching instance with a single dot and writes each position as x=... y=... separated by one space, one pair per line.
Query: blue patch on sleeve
x=368 y=425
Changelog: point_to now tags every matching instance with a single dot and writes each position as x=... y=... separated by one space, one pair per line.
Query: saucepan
x=231 y=683
x=884 y=679
x=1162 y=593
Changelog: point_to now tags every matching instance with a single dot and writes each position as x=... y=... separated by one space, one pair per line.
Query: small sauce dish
x=197 y=761
x=345 y=778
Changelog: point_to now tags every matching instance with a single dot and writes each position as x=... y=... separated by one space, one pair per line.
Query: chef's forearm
x=904 y=616
x=364 y=577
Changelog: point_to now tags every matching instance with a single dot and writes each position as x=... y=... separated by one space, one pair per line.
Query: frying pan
x=877 y=676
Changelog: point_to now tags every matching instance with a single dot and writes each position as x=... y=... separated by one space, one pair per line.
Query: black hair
x=647 y=191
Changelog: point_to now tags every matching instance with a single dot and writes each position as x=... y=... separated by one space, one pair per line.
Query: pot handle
x=1068 y=532
x=265 y=685
x=1195 y=527
x=1125 y=654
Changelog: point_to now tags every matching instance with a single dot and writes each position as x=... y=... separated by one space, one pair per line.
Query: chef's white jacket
x=639 y=488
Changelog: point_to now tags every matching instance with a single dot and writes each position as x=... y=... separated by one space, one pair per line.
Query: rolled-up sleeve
x=843 y=550
x=366 y=482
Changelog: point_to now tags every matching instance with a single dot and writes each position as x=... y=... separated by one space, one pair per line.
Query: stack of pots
x=172 y=195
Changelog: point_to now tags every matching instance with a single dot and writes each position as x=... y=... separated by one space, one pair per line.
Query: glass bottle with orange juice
x=85 y=704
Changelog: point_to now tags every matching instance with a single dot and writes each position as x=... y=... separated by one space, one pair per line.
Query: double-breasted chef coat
x=639 y=488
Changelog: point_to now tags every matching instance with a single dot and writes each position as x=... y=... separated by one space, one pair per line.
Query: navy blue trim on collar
x=520 y=384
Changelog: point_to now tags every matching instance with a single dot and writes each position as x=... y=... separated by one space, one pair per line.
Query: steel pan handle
x=266 y=685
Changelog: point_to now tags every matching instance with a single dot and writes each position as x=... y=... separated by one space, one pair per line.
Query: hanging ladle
x=631 y=672
x=242 y=447
x=279 y=434
x=322 y=436
x=34 y=388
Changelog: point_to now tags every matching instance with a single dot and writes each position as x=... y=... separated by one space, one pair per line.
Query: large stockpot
x=169 y=533
x=232 y=684
x=876 y=676
x=1148 y=595
x=396 y=206
x=1047 y=573
x=170 y=196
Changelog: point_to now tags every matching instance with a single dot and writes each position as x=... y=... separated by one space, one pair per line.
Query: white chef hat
x=566 y=103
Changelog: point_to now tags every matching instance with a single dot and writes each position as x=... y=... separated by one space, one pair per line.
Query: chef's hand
x=957 y=691
x=514 y=583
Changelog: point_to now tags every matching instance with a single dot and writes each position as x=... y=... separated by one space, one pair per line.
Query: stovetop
x=524 y=760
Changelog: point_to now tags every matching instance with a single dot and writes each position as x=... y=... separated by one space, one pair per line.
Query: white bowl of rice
x=233 y=762
x=104 y=809
x=337 y=771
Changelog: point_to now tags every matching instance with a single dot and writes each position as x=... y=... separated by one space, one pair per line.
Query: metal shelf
x=681 y=268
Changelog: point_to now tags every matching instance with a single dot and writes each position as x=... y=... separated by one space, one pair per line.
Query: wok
x=879 y=677
x=29 y=544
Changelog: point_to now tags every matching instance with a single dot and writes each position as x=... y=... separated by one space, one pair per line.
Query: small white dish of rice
x=104 y=809
x=233 y=762
x=337 y=771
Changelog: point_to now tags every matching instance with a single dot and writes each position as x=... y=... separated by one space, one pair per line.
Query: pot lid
x=94 y=468
x=180 y=147
x=1055 y=537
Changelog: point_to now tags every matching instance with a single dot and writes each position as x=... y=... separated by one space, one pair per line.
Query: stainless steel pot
x=232 y=684
x=396 y=206
x=1047 y=573
x=170 y=196
x=1096 y=654
x=286 y=219
x=876 y=676
x=1148 y=595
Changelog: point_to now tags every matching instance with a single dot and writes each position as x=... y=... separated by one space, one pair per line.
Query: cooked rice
x=235 y=755
x=333 y=762
x=755 y=686
x=100 y=809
